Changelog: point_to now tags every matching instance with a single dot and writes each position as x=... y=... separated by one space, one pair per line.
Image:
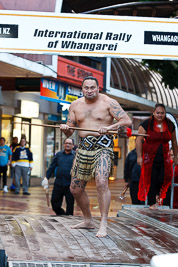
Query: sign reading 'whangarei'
x=88 y=35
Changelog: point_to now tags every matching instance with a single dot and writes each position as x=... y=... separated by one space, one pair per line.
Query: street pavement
x=36 y=202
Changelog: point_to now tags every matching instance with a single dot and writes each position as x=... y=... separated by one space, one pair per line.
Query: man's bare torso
x=92 y=115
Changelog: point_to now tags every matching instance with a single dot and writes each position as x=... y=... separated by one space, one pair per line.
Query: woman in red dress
x=153 y=155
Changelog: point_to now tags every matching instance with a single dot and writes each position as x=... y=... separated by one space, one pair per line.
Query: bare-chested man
x=95 y=152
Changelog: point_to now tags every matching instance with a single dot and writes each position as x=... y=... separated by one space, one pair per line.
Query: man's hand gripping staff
x=45 y=185
x=122 y=132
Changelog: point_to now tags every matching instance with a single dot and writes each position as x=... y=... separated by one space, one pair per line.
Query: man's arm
x=14 y=157
x=70 y=122
x=52 y=167
x=119 y=114
x=30 y=158
x=10 y=159
x=139 y=142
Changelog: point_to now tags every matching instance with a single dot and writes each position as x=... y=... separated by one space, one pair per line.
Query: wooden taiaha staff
x=47 y=196
x=122 y=195
x=128 y=132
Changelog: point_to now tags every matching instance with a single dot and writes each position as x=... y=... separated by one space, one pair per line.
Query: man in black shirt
x=61 y=165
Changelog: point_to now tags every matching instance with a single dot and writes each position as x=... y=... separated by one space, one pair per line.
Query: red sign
x=74 y=73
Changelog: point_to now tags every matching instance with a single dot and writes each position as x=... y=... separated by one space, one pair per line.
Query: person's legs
x=12 y=173
x=69 y=201
x=56 y=200
x=134 y=193
x=156 y=183
x=77 y=189
x=25 y=179
x=17 y=179
x=103 y=192
x=4 y=172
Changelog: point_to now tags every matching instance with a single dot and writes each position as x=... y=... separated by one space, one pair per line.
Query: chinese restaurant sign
x=73 y=73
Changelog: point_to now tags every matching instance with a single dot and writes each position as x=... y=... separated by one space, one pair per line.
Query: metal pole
x=172 y=190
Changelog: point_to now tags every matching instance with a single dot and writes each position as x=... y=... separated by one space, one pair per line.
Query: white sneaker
x=5 y=189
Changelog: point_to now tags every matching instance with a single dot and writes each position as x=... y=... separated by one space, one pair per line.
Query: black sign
x=161 y=38
x=8 y=31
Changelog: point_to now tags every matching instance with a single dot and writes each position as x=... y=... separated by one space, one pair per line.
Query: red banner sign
x=73 y=73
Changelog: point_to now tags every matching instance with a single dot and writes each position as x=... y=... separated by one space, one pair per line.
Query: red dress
x=150 y=147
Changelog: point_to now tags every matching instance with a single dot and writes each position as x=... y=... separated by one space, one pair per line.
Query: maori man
x=94 y=157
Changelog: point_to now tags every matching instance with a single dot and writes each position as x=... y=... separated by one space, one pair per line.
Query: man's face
x=68 y=145
x=15 y=140
x=2 y=143
x=22 y=142
x=90 y=89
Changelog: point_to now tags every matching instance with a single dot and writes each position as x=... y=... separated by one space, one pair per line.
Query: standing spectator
x=132 y=173
x=12 y=169
x=22 y=160
x=61 y=165
x=156 y=172
x=5 y=160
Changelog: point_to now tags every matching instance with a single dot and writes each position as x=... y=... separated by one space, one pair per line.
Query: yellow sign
x=71 y=98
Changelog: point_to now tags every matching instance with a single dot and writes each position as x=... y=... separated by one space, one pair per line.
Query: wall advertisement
x=59 y=92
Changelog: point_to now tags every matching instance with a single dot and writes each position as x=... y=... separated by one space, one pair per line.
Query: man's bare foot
x=102 y=232
x=84 y=225
x=153 y=207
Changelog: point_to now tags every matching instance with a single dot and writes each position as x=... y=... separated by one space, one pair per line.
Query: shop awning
x=14 y=66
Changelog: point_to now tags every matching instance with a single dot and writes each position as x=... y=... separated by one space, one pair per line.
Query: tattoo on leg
x=77 y=183
x=103 y=165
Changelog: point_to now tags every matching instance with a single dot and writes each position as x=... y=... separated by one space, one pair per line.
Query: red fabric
x=129 y=132
x=150 y=147
x=175 y=202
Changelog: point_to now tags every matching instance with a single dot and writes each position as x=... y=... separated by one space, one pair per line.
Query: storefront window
x=6 y=128
x=37 y=142
x=50 y=146
x=26 y=131
x=17 y=127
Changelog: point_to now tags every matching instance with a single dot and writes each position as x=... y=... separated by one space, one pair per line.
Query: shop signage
x=73 y=73
x=88 y=35
x=56 y=91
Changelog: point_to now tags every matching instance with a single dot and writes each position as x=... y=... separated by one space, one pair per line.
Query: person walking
x=5 y=161
x=132 y=173
x=61 y=165
x=22 y=160
x=153 y=155
x=94 y=157
x=12 y=169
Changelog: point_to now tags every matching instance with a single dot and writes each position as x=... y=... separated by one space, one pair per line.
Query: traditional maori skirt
x=90 y=151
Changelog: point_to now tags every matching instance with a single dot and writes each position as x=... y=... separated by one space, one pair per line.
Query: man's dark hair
x=90 y=78
x=2 y=138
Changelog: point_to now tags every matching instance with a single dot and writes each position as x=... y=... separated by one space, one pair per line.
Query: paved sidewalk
x=36 y=202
